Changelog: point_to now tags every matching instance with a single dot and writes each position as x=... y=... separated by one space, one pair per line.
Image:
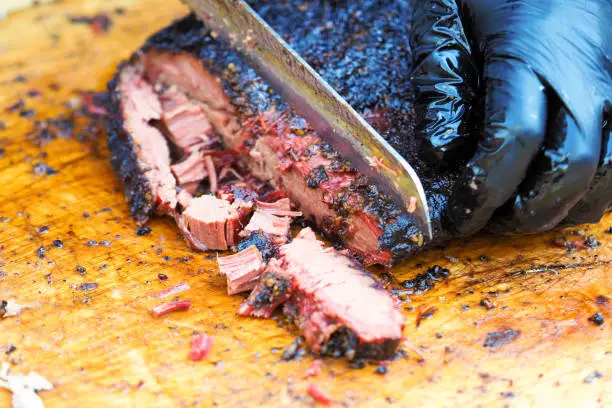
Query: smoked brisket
x=361 y=48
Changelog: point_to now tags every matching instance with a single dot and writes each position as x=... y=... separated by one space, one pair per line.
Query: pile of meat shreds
x=197 y=135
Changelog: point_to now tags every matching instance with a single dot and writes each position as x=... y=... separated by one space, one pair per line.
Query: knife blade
x=314 y=99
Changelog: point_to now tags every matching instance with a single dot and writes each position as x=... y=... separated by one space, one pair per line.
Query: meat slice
x=242 y=269
x=213 y=224
x=272 y=219
x=338 y=306
x=140 y=153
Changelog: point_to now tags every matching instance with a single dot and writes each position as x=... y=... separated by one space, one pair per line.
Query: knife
x=314 y=99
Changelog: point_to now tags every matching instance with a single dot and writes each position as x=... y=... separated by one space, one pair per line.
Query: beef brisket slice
x=338 y=306
x=361 y=49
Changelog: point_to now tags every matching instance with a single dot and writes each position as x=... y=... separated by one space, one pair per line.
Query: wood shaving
x=10 y=308
x=24 y=387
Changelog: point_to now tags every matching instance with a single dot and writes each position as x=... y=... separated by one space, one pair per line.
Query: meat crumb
x=318 y=394
x=487 y=304
x=382 y=370
x=41 y=169
x=497 y=339
x=87 y=286
x=172 y=290
x=200 y=347
x=422 y=315
x=170 y=307
x=592 y=377
x=314 y=370
x=424 y=282
x=100 y=23
x=143 y=230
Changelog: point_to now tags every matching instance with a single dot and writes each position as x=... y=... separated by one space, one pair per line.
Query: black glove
x=540 y=151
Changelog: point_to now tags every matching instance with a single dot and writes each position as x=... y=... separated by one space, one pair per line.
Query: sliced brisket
x=365 y=56
x=338 y=306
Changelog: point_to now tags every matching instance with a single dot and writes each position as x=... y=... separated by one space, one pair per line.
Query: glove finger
x=559 y=178
x=598 y=199
x=514 y=129
x=444 y=78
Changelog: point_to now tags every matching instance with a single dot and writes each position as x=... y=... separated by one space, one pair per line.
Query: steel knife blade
x=314 y=99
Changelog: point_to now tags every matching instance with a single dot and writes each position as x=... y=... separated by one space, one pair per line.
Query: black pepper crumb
x=14 y=107
x=382 y=370
x=33 y=93
x=58 y=243
x=81 y=270
x=87 y=286
x=497 y=339
x=143 y=230
x=43 y=229
x=593 y=376
x=484 y=258
x=294 y=350
x=106 y=243
x=162 y=276
x=438 y=335
x=41 y=251
x=591 y=242
x=92 y=243
x=27 y=113
x=41 y=169
x=10 y=349
x=509 y=394
x=357 y=364
x=609 y=230
x=601 y=300
x=86 y=214
x=487 y=304
x=167 y=258
x=597 y=319
x=424 y=282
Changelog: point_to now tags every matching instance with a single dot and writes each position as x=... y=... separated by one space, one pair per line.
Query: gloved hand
x=524 y=89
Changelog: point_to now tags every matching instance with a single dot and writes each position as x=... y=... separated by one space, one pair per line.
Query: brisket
x=361 y=48
x=337 y=305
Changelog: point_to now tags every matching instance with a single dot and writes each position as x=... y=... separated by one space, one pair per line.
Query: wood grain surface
x=102 y=347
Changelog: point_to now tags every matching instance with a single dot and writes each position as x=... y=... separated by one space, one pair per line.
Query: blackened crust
x=137 y=189
x=345 y=343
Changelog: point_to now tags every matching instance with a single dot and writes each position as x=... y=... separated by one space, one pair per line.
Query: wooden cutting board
x=102 y=347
